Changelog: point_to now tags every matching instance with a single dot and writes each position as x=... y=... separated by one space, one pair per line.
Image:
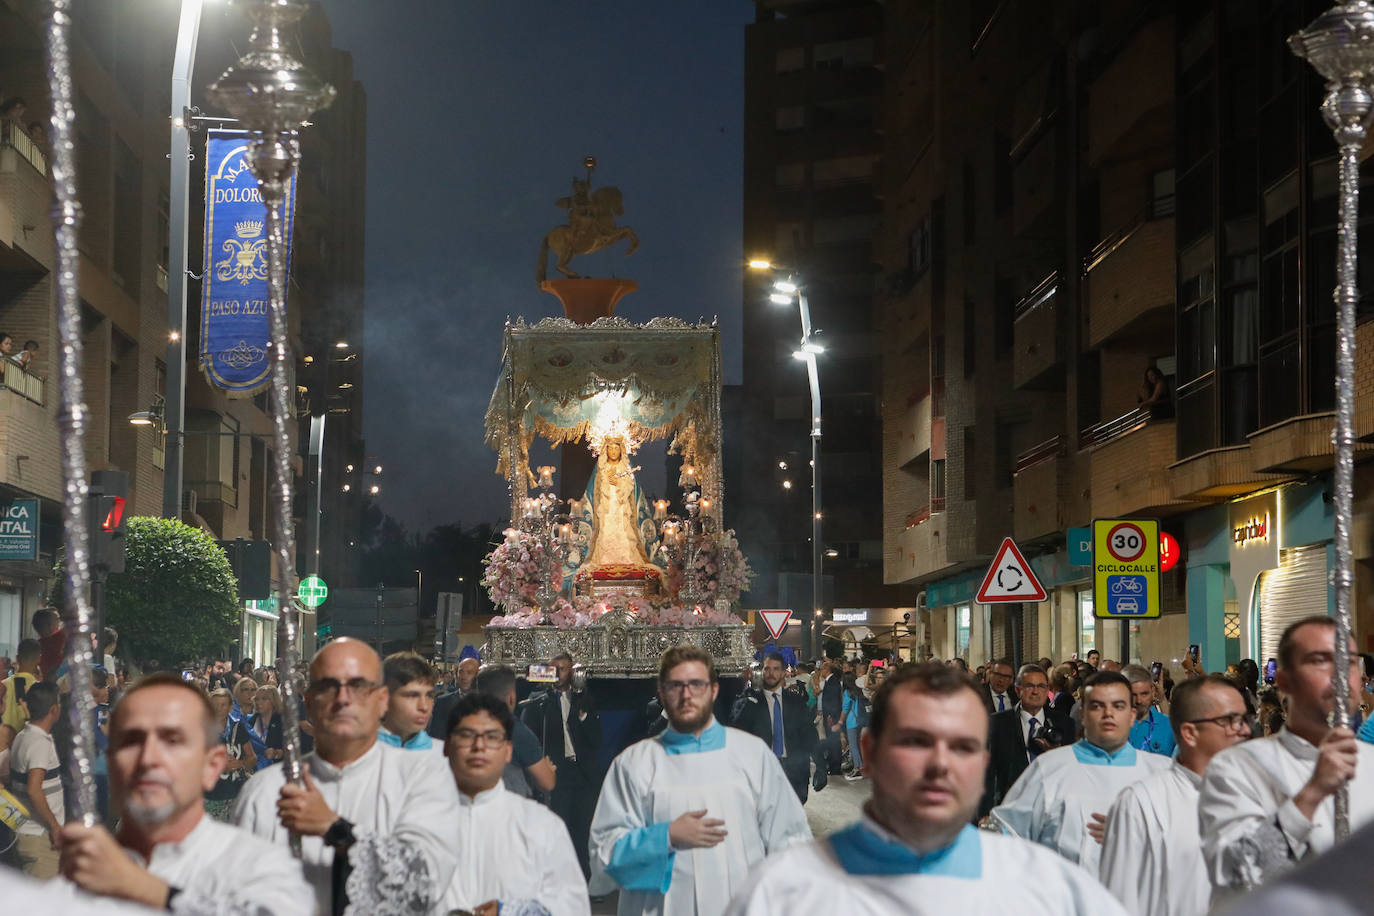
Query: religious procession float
x=607 y=576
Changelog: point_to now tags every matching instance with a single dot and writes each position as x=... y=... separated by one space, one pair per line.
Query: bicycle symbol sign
x=1126 y=542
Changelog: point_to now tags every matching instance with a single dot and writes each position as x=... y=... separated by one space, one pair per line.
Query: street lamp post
x=784 y=290
x=179 y=159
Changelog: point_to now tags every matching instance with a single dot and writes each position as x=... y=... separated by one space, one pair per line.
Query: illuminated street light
x=347 y=487
x=787 y=484
x=375 y=489
x=782 y=465
x=785 y=286
x=377 y=469
x=779 y=298
x=760 y=264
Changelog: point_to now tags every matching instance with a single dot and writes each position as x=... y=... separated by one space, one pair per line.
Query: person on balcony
x=1154 y=396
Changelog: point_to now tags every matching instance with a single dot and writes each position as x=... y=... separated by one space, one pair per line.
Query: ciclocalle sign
x=234 y=325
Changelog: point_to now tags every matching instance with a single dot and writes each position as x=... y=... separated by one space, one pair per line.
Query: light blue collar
x=863 y=850
x=676 y=742
x=1092 y=755
x=420 y=741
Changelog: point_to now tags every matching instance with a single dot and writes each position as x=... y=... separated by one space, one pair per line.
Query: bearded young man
x=164 y=755
x=685 y=815
x=925 y=751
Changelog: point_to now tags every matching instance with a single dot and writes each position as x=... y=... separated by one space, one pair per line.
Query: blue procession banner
x=235 y=335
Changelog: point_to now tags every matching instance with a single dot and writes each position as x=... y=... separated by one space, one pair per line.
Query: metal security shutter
x=1297 y=589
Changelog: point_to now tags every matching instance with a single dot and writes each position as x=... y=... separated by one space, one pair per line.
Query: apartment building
x=813 y=87
x=122 y=69
x=1072 y=197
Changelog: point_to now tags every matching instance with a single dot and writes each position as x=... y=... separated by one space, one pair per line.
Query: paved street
x=833 y=807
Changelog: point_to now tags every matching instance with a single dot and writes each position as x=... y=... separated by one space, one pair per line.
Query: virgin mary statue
x=618 y=510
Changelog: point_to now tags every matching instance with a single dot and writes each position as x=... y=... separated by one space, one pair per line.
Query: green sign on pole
x=312 y=591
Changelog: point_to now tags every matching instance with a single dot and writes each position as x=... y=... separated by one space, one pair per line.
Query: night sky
x=479 y=116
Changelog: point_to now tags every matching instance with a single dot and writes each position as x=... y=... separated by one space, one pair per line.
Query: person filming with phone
x=569 y=730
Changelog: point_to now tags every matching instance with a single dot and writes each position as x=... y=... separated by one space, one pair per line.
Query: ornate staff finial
x=273 y=95
x=1339 y=44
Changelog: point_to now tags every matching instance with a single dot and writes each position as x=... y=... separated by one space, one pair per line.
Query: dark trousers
x=834 y=751
x=574 y=800
x=799 y=775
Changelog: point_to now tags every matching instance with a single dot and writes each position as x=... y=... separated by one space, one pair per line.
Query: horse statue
x=591 y=227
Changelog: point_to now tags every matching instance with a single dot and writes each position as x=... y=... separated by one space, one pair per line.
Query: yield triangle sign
x=1009 y=578
x=776 y=621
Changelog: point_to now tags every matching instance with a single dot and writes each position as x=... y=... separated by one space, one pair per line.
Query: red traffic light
x=115 y=517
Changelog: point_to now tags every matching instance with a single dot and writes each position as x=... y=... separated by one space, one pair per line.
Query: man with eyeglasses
x=1151 y=730
x=685 y=815
x=1064 y=795
x=1152 y=853
x=378 y=823
x=1020 y=734
x=516 y=855
x=1267 y=804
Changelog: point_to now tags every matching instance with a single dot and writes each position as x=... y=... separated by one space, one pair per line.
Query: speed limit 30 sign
x=1126 y=567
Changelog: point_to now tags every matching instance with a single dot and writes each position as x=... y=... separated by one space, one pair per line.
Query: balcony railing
x=1039 y=454
x=1159 y=207
x=1043 y=292
x=919 y=517
x=22 y=382
x=14 y=136
x=1102 y=433
x=214 y=490
x=937 y=505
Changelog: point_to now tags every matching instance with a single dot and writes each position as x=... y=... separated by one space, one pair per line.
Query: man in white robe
x=516 y=854
x=164 y=754
x=1268 y=803
x=1152 y=853
x=914 y=849
x=1063 y=797
x=683 y=816
x=379 y=825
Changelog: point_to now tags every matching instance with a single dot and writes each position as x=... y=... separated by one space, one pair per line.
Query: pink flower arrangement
x=583 y=612
x=515 y=570
x=721 y=570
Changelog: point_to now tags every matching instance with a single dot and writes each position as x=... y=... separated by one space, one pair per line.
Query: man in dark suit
x=832 y=715
x=1017 y=735
x=570 y=730
x=443 y=705
x=997 y=692
x=780 y=718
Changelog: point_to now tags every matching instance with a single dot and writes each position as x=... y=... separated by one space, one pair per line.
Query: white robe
x=514 y=849
x=1152 y=855
x=1053 y=800
x=404 y=811
x=1251 y=828
x=992 y=874
x=728 y=772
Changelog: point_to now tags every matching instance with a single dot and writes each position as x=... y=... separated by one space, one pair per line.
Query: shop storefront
x=1256 y=565
x=258 y=639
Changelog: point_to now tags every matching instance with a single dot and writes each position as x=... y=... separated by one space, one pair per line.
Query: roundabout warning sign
x=1126 y=567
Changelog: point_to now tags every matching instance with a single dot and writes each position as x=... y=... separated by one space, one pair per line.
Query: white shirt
x=219 y=866
x=733 y=776
x=513 y=849
x=565 y=710
x=1152 y=854
x=1014 y=876
x=1058 y=793
x=401 y=805
x=1001 y=702
x=34 y=749
x=1246 y=806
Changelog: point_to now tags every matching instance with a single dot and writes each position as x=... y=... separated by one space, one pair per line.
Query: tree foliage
x=177 y=599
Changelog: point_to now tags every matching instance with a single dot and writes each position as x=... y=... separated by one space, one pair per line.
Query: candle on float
x=660 y=510
x=546 y=475
x=512 y=537
x=531 y=508
x=705 y=505
x=565 y=534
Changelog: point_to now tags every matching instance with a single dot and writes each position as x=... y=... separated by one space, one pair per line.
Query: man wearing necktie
x=782 y=720
x=1019 y=733
x=997 y=695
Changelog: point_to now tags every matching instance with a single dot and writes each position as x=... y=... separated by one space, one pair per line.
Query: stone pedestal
x=589 y=298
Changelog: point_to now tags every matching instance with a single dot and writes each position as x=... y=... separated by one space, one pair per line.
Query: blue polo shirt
x=1154 y=733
